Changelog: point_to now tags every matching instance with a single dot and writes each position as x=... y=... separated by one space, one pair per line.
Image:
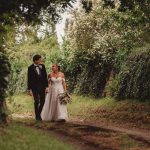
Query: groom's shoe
x=38 y=118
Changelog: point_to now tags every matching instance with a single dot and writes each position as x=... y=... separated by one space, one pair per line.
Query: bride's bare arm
x=49 y=80
x=64 y=83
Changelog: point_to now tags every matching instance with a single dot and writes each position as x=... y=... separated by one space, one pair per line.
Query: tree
x=102 y=40
x=30 y=9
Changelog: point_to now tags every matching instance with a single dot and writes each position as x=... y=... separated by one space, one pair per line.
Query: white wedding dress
x=52 y=109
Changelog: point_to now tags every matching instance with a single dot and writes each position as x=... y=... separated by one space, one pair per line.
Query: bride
x=53 y=110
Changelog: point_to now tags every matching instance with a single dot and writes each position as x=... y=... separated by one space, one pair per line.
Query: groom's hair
x=36 y=57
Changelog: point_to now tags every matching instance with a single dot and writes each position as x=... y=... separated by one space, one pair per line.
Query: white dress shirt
x=37 y=69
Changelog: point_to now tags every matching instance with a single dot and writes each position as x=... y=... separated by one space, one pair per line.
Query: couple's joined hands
x=46 y=90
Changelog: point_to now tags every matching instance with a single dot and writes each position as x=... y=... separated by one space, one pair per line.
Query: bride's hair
x=58 y=66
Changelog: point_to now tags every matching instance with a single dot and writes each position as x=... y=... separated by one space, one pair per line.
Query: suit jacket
x=36 y=81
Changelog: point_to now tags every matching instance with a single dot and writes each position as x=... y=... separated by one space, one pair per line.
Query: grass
x=80 y=104
x=20 y=104
x=108 y=109
x=19 y=137
x=86 y=108
x=87 y=134
x=90 y=109
x=128 y=143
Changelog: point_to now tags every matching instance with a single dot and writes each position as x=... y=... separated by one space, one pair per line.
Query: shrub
x=133 y=81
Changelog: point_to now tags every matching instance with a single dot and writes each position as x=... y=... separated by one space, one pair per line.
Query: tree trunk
x=3 y=115
x=4 y=72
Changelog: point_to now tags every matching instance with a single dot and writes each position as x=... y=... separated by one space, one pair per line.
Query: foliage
x=99 y=42
x=48 y=48
x=87 y=5
x=30 y=9
x=96 y=43
x=133 y=81
x=93 y=73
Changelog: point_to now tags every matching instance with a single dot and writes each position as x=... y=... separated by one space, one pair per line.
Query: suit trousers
x=39 y=100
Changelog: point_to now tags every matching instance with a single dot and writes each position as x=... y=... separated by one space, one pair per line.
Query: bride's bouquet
x=64 y=98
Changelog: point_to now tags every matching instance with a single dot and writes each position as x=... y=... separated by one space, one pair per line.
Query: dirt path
x=139 y=133
x=90 y=136
x=77 y=144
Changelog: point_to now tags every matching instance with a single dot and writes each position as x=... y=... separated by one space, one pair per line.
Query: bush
x=85 y=75
x=133 y=81
x=101 y=41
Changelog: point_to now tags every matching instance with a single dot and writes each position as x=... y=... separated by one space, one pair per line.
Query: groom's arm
x=29 y=79
x=29 y=82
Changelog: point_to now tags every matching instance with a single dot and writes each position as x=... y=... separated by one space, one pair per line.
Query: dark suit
x=37 y=83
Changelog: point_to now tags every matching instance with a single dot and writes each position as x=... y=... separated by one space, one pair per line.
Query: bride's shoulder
x=62 y=74
x=49 y=75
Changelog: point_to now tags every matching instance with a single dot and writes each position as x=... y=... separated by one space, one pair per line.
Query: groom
x=37 y=84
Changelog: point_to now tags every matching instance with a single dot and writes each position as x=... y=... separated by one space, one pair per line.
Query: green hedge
x=133 y=81
x=87 y=74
